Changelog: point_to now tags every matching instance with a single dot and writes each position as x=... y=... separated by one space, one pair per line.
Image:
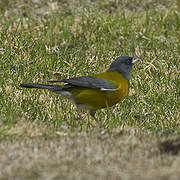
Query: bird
x=96 y=91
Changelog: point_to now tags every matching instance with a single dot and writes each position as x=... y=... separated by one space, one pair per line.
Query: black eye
x=129 y=61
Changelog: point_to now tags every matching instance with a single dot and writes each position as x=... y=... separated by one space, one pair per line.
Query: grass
x=45 y=40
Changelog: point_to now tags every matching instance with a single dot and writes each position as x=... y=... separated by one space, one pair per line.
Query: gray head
x=123 y=65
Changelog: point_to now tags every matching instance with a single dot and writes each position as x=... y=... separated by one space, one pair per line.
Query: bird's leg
x=92 y=113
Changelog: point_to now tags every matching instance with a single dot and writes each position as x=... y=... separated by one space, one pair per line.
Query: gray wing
x=89 y=82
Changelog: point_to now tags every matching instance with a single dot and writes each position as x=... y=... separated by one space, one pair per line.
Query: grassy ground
x=40 y=137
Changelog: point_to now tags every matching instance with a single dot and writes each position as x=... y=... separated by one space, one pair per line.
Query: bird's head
x=123 y=65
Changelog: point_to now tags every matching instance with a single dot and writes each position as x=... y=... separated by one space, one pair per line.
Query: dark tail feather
x=42 y=86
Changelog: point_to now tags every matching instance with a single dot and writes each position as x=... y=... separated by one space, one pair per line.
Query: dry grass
x=40 y=137
x=122 y=153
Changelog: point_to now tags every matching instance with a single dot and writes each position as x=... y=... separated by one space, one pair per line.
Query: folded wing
x=89 y=82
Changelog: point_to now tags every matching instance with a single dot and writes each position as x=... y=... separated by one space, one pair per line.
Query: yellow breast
x=97 y=99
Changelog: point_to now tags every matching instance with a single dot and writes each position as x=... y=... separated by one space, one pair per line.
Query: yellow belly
x=97 y=99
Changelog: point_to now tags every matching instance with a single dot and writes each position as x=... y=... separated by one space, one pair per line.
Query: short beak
x=135 y=59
